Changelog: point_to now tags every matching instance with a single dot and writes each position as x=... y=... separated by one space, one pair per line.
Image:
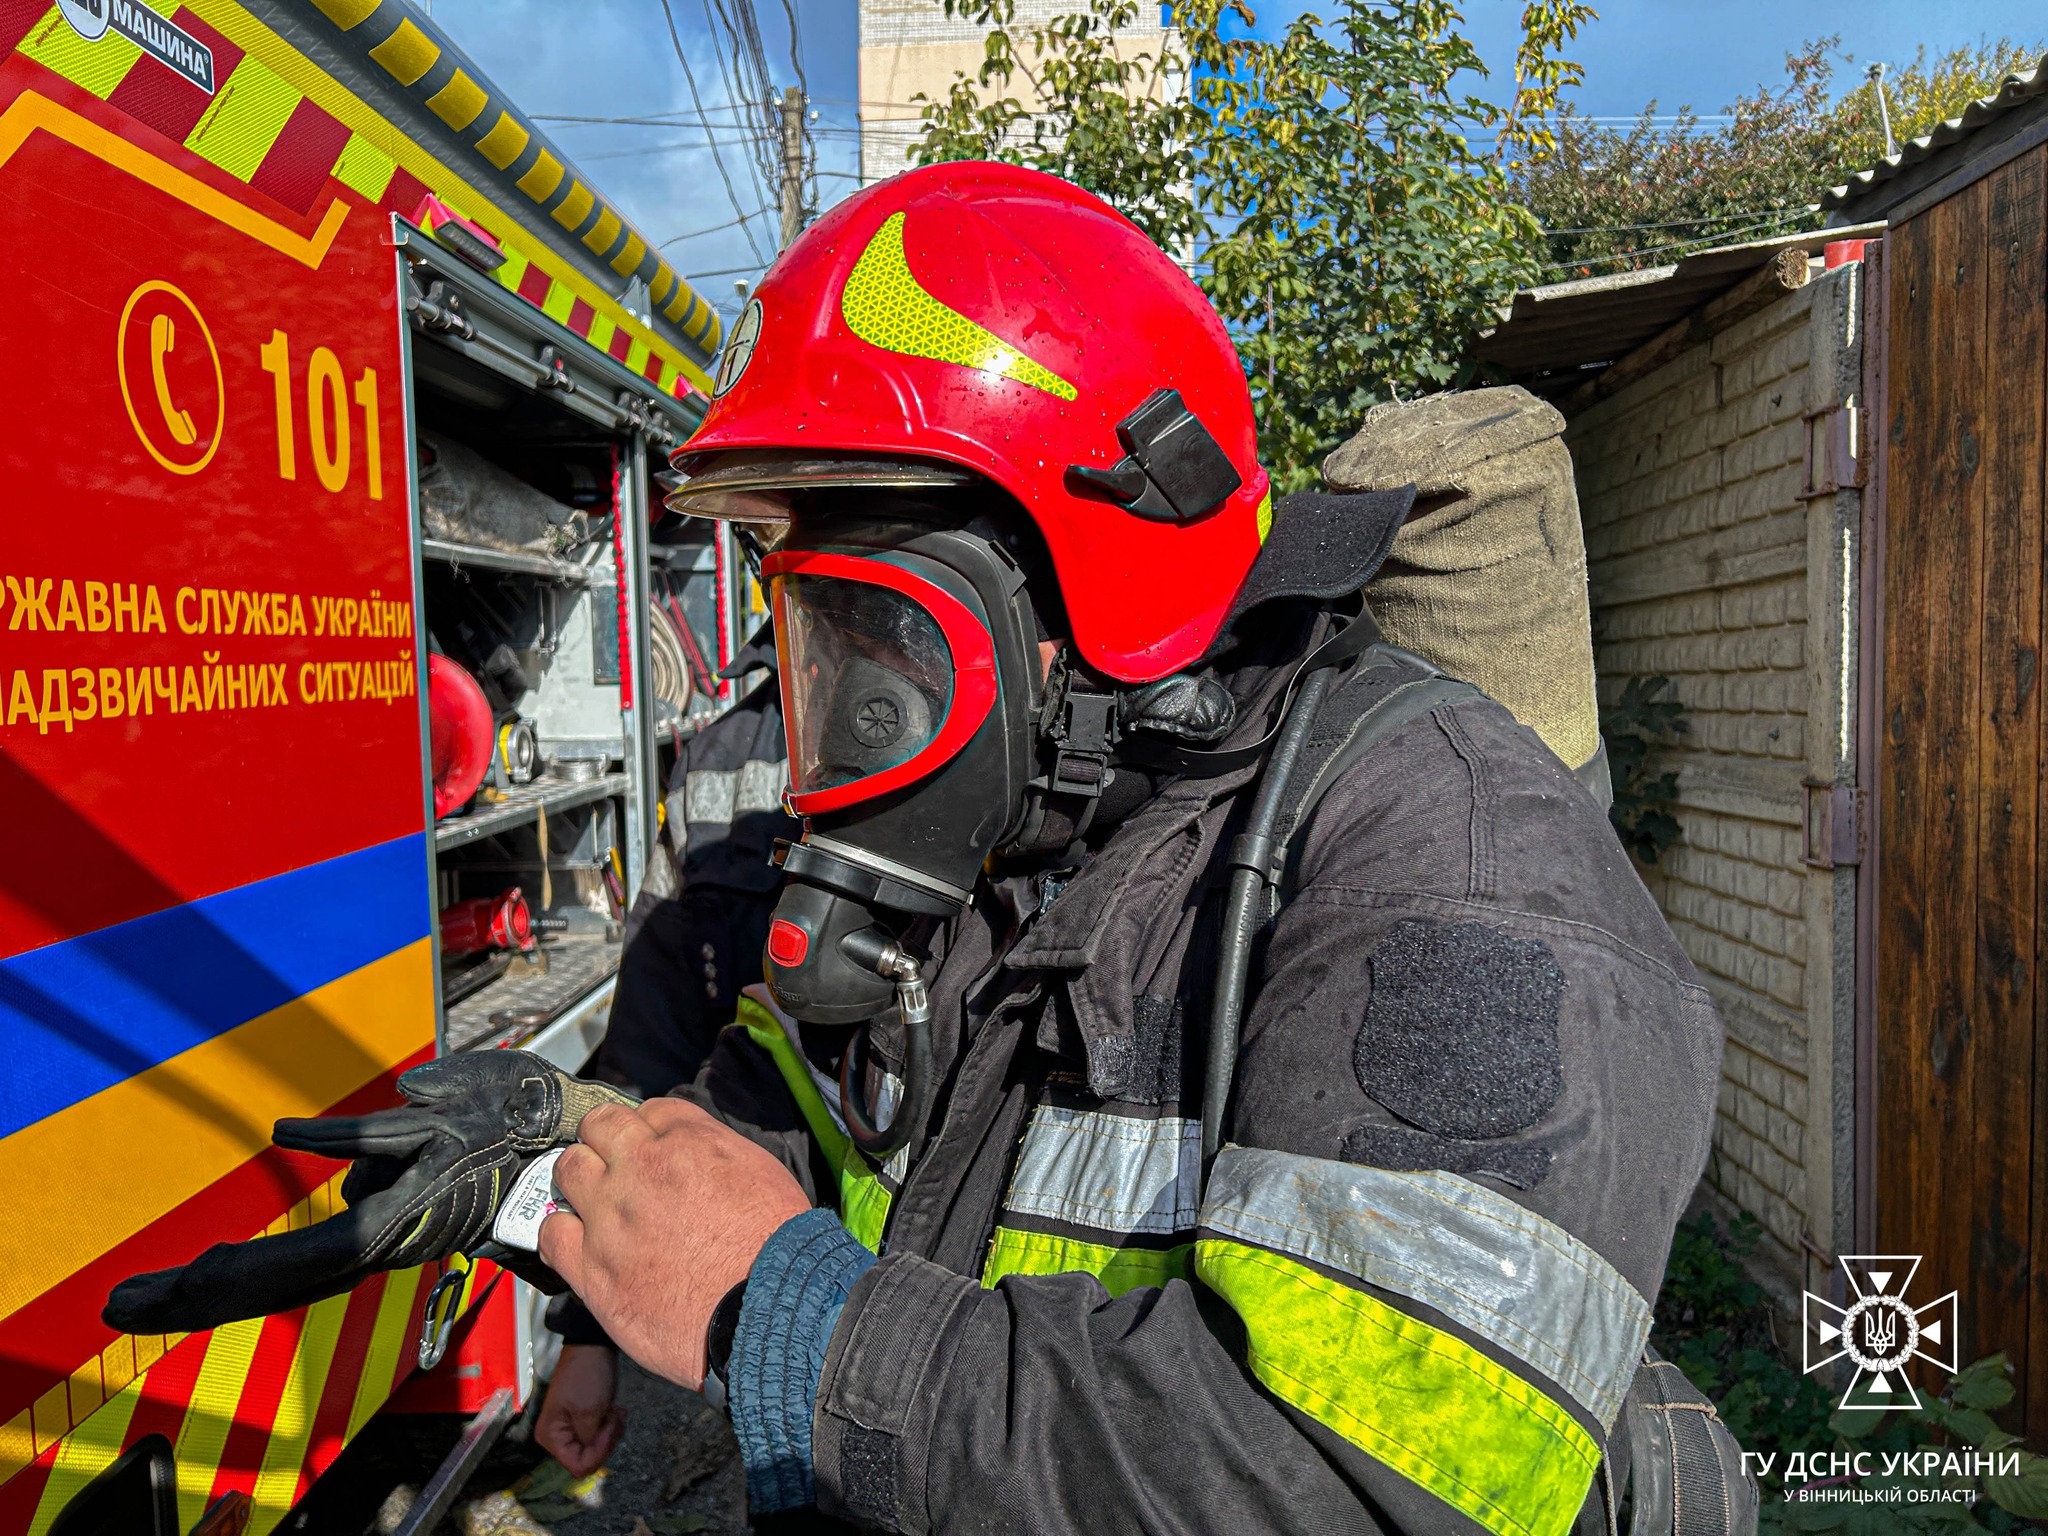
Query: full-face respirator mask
x=911 y=685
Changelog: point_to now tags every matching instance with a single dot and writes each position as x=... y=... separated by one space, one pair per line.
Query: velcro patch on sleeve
x=1460 y=1037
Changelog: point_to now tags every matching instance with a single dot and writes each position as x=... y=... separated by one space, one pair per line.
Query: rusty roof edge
x=2014 y=90
x=1550 y=293
x=1578 y=308
x=1642 y=277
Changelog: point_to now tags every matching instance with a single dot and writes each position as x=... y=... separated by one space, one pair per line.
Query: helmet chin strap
x=1083 y=729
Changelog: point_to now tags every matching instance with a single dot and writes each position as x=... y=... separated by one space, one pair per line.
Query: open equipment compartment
x=532 y=456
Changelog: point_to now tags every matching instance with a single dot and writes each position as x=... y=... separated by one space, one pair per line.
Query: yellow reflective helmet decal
x=886 y=307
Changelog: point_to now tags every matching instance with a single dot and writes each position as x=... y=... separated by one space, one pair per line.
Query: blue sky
x=613 y=58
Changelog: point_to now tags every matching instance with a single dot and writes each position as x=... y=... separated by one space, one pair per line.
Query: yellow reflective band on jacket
x=885 y=306
x=1422 y=1401
x=1015 y=1252
x=863 y=1198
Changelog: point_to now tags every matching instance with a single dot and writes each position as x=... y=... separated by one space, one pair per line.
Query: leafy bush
x=1715 y=1323
x=1634 y=727
x=1342 y=193
x=1611 y=198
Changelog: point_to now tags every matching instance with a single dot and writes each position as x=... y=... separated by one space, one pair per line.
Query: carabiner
x=437 y=1319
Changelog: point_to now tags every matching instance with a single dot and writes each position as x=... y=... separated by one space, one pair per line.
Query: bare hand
x=580 y=1423
x=671 y=1210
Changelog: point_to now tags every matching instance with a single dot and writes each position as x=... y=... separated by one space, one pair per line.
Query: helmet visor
x=884 y=675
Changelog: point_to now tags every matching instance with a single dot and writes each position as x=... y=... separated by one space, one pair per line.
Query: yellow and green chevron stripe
x=404 y=46
x=281 y=125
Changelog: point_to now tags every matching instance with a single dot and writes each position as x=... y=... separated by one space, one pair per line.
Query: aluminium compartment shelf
x=565 y=571
x=581 y=974
x=522 y=803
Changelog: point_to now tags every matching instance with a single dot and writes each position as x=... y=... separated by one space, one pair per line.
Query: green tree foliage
x=1714 y=1323
x=1361 y=237
x=1635 y=727
x=1076 y=101
x=1614 y=198
x=1353 y=228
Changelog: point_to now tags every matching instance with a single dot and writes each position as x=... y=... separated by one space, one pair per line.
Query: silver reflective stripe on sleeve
x=1511 y=1276
x=713 y=796
x=1111 y=1172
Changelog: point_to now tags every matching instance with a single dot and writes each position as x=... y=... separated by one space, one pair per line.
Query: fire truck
x=336 y=397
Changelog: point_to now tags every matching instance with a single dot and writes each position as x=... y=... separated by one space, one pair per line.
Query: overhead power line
x=716 y=228
x=807 y=139
x=796 y=50
x=1673 y=245
x=1705 y=218
x=743 y=68
x=675 y=118
x=676 y=41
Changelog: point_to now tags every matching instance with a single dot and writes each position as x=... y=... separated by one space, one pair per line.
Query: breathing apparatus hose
x=1252 y=859
x=913 y=1002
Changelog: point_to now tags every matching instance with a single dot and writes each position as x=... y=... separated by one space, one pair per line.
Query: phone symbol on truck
x=170 y=377
x=163 y=335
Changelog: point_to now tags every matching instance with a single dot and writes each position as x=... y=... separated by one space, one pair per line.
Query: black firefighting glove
x=427 y=1182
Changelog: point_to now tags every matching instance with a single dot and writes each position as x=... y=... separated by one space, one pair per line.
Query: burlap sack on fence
x=1488 y=579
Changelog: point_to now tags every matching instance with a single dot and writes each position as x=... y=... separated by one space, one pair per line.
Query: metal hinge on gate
x=1835 y=456
x=1834 y=824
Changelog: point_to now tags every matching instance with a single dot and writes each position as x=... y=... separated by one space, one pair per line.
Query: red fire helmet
x=462 y=732
x=1001 y=321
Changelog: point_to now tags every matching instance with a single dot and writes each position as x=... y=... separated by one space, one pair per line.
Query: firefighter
x=692 y=942
x=689 y=949
x=1214 y=1072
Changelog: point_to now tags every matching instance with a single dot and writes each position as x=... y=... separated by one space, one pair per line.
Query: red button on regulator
x=787 y=943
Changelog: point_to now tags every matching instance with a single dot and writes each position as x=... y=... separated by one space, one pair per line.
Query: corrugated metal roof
x=2015 y=90
x=1557 y=336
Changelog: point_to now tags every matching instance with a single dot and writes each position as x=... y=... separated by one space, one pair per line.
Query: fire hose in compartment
x=466 y=499
x=487 y=922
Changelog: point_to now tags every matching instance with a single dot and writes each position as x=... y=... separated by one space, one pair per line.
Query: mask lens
x=867 y=678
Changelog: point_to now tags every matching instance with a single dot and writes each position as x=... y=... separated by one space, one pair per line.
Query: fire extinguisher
x=488 y=922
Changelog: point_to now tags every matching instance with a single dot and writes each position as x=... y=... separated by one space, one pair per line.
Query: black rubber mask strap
x=1194 y=763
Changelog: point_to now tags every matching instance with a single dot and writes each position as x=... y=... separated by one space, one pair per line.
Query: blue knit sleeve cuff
x=795 y=1293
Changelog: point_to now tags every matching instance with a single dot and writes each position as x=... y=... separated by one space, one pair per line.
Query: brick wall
x=1703 y=564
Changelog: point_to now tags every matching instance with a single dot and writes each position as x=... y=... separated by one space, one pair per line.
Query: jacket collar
x=1112 y=925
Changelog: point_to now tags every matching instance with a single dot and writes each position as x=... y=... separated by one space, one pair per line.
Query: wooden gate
x=1961 y=1090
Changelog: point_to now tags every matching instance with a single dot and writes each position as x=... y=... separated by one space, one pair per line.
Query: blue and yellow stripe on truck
x=149 y=1059
x=215 y=908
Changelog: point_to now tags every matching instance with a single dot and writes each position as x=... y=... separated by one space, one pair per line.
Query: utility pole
x=1884 y=111
x=791 y=113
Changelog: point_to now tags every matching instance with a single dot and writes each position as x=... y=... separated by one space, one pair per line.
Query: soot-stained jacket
x=1474 y=1093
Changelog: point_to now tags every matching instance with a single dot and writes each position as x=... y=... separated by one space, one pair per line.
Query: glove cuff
x=579 y=1097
